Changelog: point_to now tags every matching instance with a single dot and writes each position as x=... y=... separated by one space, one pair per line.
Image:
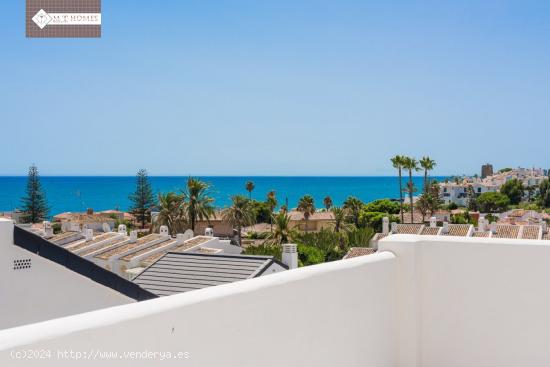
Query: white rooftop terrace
x=420 y=301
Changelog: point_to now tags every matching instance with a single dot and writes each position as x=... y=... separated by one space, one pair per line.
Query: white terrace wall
x=335 y=314
x=472 y=301
x=45 y=290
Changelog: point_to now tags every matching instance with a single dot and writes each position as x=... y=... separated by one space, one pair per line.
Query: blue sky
x=279 y=88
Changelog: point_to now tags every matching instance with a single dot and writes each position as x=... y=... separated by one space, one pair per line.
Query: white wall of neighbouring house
x=334 y=314
x=472 y=301
x=45 y=290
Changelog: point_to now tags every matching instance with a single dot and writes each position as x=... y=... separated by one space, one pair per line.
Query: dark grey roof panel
x=184 y=272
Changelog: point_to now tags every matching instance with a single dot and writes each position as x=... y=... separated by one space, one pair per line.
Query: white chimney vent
x=290 y=255
x=394 y=227
x=433 y=222
x=133 y=236
x=481 y=225
x=385 y=225
x=106 y=228
x=544 y=227
x=74 y=227
x=209 y=232
x=88 y=234
x=445 y=228
x=122 y=229
x=163 y=230
x=48 y=230
x=180 y=238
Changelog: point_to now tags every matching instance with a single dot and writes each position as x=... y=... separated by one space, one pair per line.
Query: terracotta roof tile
x=530 y=232
x=430 y=231
x=359 y=251
x=408 y=228
x=458 y=229
x=506 y=231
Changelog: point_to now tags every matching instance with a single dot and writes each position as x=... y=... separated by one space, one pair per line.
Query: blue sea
x=102 y=193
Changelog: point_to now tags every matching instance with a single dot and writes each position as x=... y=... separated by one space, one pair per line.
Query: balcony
x=419 y=301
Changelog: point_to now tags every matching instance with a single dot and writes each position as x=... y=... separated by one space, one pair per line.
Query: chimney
x=433 y=222
x=445 y=228
x=290 y=255
x=163 y=230
x=89 y=211
x=48 y=231
x=209 y=232
x=122 y=229
x=180 y=238
x=494 y=227
x=106 y=227
x=133 y=236
x=88 y=234
x=481 y=225
x=394 y=227
x=385 y=225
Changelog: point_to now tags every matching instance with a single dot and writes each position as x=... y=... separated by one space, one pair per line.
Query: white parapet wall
x=335 y=314
x=472 y=301
x=34 y=289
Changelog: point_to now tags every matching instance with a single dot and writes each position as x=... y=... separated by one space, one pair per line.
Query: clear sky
x=279 y=88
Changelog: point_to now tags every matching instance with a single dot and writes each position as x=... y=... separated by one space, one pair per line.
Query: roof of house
x=430 y=231
x=359 y=251
x=61 y=256
x=506 y=231
x=530 y=232
x=178 y=272
x=409 y=228
x=128 y=246
x=458 y=229
x=186 y=245
x=297 y=215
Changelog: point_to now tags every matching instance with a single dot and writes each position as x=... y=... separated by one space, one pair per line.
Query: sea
x=76 y=194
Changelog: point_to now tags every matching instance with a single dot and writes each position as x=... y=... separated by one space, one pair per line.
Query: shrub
x=266 y=250
x=382 y=206
x=492 y=202
x=310 y=255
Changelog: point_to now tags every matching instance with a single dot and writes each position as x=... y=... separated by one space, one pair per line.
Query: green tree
x=544 y=193
x=271 y=201
x=198 y=203
x=383 y=206
x=282 y=233
x=35 y=206
x=353 y=206
x=472 y=199
x=250 y=187
x=374 y=219
x=340 y=215
x=513 y=189
x=327 y=202
x=142 y=199
x=427 y=165
x=239 y=214
x=398 y=163
x=411 y=164
x=309 y=255
x=171 y=213
x=307 y=207
x=493 y=202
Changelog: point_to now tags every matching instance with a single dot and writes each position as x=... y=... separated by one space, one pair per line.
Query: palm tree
x=327 y=201
x=306 y=206
x=171 y=213
x=282 y=232
x=271 y=201
x=427 y=164
x=398 y=162
x=250 y=187
x=353 y=207
x=239 y=214
x=340 y=215
x=197 y=202
x=411 y=164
